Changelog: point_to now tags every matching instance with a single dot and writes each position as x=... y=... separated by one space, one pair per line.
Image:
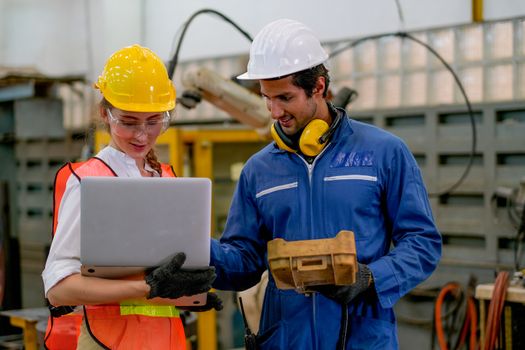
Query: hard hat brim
x=282 y=74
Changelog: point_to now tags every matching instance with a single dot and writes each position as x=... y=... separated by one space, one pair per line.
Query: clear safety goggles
x=150 y=126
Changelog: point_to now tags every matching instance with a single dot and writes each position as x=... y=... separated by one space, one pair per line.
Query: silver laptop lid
x=144 y=221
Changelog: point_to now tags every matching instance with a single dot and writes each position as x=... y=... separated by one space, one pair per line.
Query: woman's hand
x=170 y=280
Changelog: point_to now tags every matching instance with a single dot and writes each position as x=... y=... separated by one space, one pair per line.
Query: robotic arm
x=515 y=198
x=236 y=100
x=242 y=104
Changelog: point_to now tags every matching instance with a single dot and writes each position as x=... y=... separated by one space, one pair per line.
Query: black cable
x=512 y=210
x=433 y=335
x=343 y=331
x=359 y=41
x=400 y=13
x=470 y=112
x=174 y=61
x=250 y=339
x=457 y=319
x=520 y=238
x=404 y=35
x=448 y=323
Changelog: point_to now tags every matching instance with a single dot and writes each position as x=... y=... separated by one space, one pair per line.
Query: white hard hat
x=283 y=47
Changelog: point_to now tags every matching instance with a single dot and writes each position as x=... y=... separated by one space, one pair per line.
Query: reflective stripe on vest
x=148 y=310
x=130 y=307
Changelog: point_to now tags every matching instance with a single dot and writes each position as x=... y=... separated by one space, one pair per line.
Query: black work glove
x=212 y=302
x=169 y=280
x=345 y=294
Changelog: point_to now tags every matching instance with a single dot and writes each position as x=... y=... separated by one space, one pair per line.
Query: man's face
x=288 y=104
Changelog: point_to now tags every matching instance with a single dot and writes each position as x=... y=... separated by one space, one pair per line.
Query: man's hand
x=345 y=294
x=212 y=302
x=170 y=280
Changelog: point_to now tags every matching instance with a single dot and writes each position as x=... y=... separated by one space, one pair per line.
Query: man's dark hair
x=306 y=79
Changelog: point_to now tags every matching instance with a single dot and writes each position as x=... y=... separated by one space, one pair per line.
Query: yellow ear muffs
x=309 y=142
x=313 y=139
x=280 y=138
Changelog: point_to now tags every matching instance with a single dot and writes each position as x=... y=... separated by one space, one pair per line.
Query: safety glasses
x=150 y=126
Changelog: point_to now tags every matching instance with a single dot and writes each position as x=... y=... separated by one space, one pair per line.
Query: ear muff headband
x=337 y=120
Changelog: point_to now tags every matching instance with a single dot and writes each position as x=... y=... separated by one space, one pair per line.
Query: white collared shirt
x=64 y=256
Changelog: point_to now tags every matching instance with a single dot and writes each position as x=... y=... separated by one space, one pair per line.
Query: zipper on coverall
x=310 y=170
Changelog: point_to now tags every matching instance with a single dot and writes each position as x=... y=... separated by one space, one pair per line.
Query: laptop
x=130 y=224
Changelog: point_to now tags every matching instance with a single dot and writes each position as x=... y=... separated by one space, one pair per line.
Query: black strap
x=55 y=312
x=90 y=332
x=49 y=333
x=250 y=339
x=343 y=331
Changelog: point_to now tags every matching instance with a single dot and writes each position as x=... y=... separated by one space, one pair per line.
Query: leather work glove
x=345 y=294
x=212 y=302
x=170 y=280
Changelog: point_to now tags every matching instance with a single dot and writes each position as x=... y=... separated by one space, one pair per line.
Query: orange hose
x=473 y=318
x=495 y=308
x=449 y=288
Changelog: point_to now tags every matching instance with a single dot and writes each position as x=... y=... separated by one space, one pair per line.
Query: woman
x=137 y=97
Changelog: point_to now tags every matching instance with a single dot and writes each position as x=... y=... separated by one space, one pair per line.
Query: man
x=324 y=173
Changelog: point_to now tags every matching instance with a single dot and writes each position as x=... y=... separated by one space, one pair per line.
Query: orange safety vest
x=125 y=326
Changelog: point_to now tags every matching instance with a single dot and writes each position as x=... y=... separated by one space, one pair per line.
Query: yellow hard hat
x=135 y=79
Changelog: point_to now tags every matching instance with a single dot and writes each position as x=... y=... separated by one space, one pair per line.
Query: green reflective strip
x=149 y=310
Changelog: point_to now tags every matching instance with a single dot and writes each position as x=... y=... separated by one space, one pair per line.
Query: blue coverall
x=366 y=181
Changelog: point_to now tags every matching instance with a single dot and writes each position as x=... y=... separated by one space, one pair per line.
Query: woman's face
x=134 y=133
